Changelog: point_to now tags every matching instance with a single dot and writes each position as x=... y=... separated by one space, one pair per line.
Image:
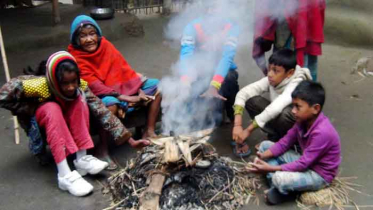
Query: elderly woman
x=110 y=77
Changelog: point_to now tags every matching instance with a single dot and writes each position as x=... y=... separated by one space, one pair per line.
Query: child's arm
x=260 y=166
x=286 y=142
x=276 y=107
x=254 y=89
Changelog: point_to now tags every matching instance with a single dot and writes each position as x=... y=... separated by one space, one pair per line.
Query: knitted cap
x=82 y=20
x=52 y=63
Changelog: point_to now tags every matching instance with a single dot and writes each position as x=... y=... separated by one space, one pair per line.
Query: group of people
x=92 y=82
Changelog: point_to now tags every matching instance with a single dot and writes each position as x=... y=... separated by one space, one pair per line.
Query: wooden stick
x=56 y=12
x=7 y=75
x=150 y=197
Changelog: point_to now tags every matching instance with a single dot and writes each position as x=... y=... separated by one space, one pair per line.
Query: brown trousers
x=277 y=127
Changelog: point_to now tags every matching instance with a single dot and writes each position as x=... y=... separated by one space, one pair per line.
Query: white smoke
x=180 y=115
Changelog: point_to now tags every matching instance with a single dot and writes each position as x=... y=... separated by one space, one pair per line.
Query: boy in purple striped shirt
x=289 y=172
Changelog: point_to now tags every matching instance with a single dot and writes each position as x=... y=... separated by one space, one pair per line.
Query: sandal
x=112 y=165
x=243 y=154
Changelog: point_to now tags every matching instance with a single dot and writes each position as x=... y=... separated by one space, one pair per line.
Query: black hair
x=285 y=58
x=67 y=66
x=76 y=40
x=310 y=92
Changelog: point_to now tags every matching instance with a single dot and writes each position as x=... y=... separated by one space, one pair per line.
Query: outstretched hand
x=212 y=92
x=260 y=166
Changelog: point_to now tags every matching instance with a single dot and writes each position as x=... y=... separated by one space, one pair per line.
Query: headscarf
x=53 y=61
x=105 y=70
x=78 y=23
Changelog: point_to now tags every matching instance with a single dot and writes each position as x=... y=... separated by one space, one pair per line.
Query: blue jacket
x=196 y=38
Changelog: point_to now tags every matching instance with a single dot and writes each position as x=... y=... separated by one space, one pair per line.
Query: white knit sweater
x=280 y=96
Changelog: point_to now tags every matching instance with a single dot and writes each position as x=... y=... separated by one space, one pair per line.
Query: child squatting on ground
x=288 y=171
x=273 y=116
x=61 y=102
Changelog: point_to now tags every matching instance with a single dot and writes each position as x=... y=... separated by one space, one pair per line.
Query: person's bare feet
x=138 y=143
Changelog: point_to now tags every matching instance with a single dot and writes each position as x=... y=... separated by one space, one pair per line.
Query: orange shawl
x=106 y=70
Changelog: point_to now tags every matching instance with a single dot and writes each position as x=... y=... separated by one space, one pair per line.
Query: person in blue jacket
x=208 y=48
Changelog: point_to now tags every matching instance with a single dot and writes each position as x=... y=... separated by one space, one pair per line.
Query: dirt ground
x=24 y=184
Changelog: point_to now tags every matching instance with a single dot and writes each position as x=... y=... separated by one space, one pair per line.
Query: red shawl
x=106 y=70
x=305 y=21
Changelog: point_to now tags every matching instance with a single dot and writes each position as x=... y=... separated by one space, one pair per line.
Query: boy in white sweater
x=273 y=116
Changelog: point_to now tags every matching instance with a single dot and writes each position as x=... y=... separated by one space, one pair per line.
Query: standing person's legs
x=310 y=62
x=229 y=90
x=261 y=46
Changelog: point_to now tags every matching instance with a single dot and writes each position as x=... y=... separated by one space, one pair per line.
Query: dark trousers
x=277 y=127
x=229 y=90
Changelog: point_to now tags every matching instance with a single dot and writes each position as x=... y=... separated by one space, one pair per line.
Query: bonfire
x=182 y=172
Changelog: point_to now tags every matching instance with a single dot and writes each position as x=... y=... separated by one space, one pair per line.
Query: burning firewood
x=182 y=172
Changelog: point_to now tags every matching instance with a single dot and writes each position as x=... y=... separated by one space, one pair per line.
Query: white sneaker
x=89 y=164
x=75 y=184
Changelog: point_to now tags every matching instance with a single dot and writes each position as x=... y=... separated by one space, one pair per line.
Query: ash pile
x=182 y=172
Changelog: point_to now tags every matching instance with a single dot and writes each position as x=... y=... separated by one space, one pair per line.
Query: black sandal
x=274 y=197
x=241 y=155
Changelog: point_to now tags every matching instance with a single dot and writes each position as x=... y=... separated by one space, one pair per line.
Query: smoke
x=182 y=107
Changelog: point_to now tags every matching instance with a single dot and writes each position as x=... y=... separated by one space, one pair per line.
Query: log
x=171 y=152
x=149 y=200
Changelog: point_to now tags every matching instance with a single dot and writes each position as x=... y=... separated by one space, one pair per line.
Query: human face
x=88 y=39
x=69 y=84
x=303 y=112
x=276 y=74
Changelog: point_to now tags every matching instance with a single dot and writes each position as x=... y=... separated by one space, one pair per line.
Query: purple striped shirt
x=320 y=145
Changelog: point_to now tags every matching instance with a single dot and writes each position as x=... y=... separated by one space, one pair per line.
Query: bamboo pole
x=7 y=75
x=56 y=12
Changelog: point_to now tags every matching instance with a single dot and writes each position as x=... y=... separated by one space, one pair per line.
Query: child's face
x=69 y=84
x=88 y=39
x=303 y=112
x=276 y=74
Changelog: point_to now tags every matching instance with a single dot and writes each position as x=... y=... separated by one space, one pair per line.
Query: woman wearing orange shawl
x=110 y=77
